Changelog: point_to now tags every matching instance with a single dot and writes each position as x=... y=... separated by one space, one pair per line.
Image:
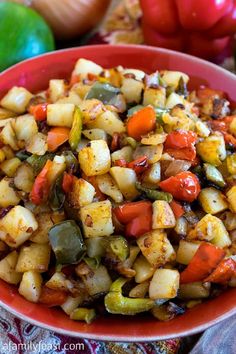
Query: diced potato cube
x=95 y=134
x=163 y=216
x=9 y=167
x=8 y=152
x=30 y=286
x=91 y=109
x=84 y=66
x=45 y=222
x=59 y=282
x=212 y=200
x=139 y=74
x=72 y=303
x=153 y=139
x=174 y=99
x=212 y=149
x=231 y=164
x=98 y=281
x=97 y=219
x=57 y=168
x=7 y=194
x=132 y=89
x=107 y=185
x=125 y=153
x=144 y=270
x=34 y=257
x=8 y=136
x=154 y=96
x=24 y=177
x=153 y=174
x=126 y=180
x=231 y=195
x=37 y=144
x=195 y=290
x=139 y=290
x=82 y=193
x=72 y=97
x=7 y=269
x=109 y=122
x=153 y=152
x=186 y=251
x=171 y=78
x=16 y=99
x=56 y=89
x=156 y=248
x=17 y=226
x=25 y=127
x=210 y=228
x=59 y=114
x=202 y=129
x=95 y=158
x=5 y=113
x=164 y=284
x=181 y=226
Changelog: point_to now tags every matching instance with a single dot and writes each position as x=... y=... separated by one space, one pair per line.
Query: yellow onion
x=69 y=18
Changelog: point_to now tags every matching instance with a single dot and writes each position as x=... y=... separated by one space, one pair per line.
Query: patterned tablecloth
x=121 y=25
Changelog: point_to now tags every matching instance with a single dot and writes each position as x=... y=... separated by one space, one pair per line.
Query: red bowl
x=34 y=75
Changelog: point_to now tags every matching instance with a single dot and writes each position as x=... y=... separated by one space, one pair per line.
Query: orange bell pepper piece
x=56 y=137
x=225 y=270
x=141 y=122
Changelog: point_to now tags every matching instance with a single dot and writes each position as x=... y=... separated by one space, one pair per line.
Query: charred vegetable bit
x=154 y=194
x=67 y=242
x=116 y=303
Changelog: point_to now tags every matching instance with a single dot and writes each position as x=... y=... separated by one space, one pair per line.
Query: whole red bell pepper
x=205 y=260
x=198 y=27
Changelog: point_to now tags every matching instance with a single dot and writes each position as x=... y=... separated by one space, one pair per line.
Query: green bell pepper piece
x=116 y=303
x=76 y=130
x=104 y=92
x=119 y=247
x=67 y=242
x=37 y=162
x=154 y=194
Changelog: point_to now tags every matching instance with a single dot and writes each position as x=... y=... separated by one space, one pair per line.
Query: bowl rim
x=119 y=338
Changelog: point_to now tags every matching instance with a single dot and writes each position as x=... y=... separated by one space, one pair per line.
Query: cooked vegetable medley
x=118 y=193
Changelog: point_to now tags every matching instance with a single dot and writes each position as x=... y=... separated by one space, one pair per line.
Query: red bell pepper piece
x=177 y=209
x=205 y=260
x=225 y=270
x=184 y=186
x=129 y=211
x=179 y=139
x=39 y=111
x=197 y=14
x=51 y=297
x=180 y=145
x=115 y=143
x=67 y=182
x=41 y=187
x=120 y=163
x=139 y=225
x=141 y=122
x=139 y=165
